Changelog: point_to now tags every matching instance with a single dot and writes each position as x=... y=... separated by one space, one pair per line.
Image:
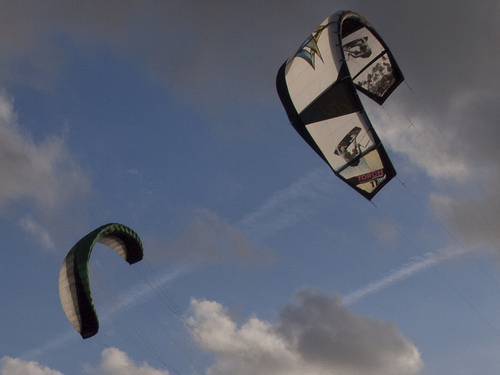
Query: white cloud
x=116 y=362
x=44 y=173
x=16 y=366
x=426 y=145
x=457 y=147
x=40 y=178
x=318 y=336
x=472 y=211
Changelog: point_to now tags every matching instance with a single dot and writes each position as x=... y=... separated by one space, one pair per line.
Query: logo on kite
x=309 y=49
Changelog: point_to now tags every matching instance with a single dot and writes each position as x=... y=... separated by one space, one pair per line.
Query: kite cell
x=318 y=86
x=74 y=287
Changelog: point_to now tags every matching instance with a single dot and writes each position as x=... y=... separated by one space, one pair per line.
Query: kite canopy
x=74 y=287
x=318 y=87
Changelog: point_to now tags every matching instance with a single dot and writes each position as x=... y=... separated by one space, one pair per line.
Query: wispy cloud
x=209 y=239
x=40 y=234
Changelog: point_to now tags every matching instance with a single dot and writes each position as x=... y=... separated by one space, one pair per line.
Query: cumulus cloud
x=317 y=336
x=457 y=148
x=16 y=366
x=116 y=362
x=426 y=147
x=45 y=173
x=446 y=123
x=253 y=348
x=470 y=208
x=41 y=177
x=209 y=239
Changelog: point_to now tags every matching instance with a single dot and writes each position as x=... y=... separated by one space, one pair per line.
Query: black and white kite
x=318 y=86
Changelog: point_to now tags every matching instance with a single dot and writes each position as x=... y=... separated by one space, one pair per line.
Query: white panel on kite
x=312 y=69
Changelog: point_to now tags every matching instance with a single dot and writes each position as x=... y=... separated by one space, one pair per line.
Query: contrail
x=287 y=206
x=421 y=264
x=142 y=291
x=291 y=204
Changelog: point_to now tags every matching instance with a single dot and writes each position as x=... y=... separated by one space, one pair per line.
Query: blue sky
x=163 y=116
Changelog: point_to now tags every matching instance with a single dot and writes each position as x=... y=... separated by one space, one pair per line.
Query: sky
x=164 y=116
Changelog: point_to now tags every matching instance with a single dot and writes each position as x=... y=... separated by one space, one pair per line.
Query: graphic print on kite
x=368 y=63
x=309 y=49
x=321 y=99
x=349 y=148
x=358 y=48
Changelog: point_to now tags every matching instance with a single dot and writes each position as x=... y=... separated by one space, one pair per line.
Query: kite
x=74 y=287
x=318 y=87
